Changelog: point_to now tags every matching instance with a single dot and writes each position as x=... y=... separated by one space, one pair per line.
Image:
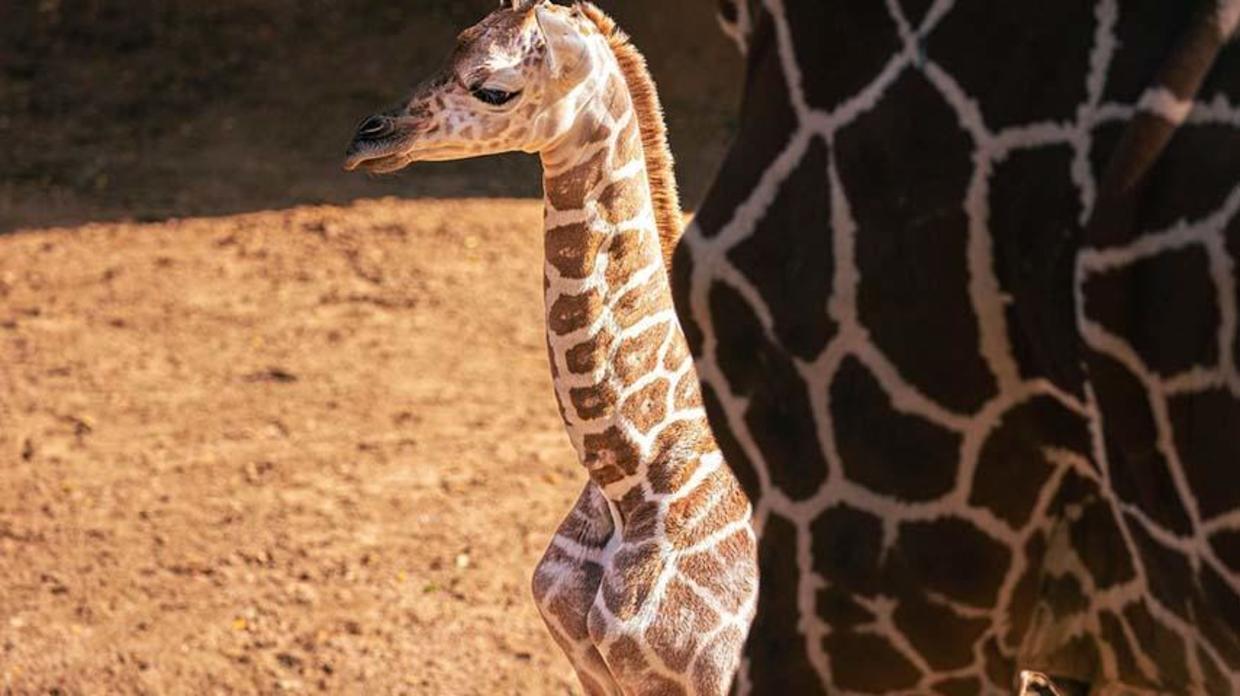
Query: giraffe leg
x=566 y=582
x=678 y=592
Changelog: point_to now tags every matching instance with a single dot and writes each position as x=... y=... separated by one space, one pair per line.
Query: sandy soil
x=307 y=450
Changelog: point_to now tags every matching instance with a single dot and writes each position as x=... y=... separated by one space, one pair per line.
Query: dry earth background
x=258 y=434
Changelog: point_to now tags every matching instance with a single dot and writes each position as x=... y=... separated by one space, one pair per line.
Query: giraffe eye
x=494 y=97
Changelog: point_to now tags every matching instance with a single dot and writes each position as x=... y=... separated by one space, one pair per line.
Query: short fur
x=658 y=155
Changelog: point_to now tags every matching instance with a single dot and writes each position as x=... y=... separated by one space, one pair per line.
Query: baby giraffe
x=650 y=584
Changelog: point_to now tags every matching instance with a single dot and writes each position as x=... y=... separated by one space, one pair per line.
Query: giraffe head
x=515 y=81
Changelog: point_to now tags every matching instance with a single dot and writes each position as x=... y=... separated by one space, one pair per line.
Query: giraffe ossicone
x=650 y=583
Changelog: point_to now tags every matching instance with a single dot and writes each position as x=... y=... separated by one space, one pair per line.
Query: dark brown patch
x=1177 y=325
x=1205 y=436
x=571 y=608
x=789 y=257
x=957 y=686
x=592 y=402
x=706 y=569
x=944 y=638
x=1112 y=632
x=868 y=663
x=1159 y=641
x=613 y=446
x=607 y=474
x=589 y=523
x=1012 y=462
x=1025 y=593
x=629 y=504
x=839 y=609
x=589 y=355
x=642 y=521
x=951 y=556
x=638 y=355
x=567 y=191
x=572 y=249
x=911 y=242
x=999 y=667
x=846 y=543
x=914 y=459
x=1140 y=470
x=573 y=312
x=647 y=407
x=779 y=414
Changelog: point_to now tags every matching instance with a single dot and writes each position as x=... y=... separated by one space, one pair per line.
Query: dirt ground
x=305 y=450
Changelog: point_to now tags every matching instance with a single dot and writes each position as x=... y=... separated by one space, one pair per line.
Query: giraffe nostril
x=373 y=127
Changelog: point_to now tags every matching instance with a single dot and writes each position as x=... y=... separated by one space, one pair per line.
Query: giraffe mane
x=655 y=150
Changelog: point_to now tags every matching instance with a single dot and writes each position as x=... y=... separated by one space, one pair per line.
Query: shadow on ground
x=149 y=109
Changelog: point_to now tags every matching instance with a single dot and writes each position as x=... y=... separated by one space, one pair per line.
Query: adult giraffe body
x=964 y=302
x=650 y=583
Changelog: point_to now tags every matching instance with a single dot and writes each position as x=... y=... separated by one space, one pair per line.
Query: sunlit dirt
x=300 y=450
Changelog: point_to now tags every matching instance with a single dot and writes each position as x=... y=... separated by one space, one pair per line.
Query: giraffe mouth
x=377 y=163
x=385 y=160
x=376 y=160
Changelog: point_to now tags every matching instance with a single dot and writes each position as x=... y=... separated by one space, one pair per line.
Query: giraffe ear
x=566 y=50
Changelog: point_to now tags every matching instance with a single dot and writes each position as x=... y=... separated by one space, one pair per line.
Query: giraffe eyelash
x=494 y=97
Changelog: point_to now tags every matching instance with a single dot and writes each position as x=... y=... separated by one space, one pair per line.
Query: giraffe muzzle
x=371 y=141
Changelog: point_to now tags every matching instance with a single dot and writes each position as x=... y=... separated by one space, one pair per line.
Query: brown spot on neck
x=567 y=190
x=572 y=249
x=573 y=312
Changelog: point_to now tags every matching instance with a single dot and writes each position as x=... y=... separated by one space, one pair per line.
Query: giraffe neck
x=620 y=366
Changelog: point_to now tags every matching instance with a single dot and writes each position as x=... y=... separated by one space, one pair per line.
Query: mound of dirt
x=308 y=450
